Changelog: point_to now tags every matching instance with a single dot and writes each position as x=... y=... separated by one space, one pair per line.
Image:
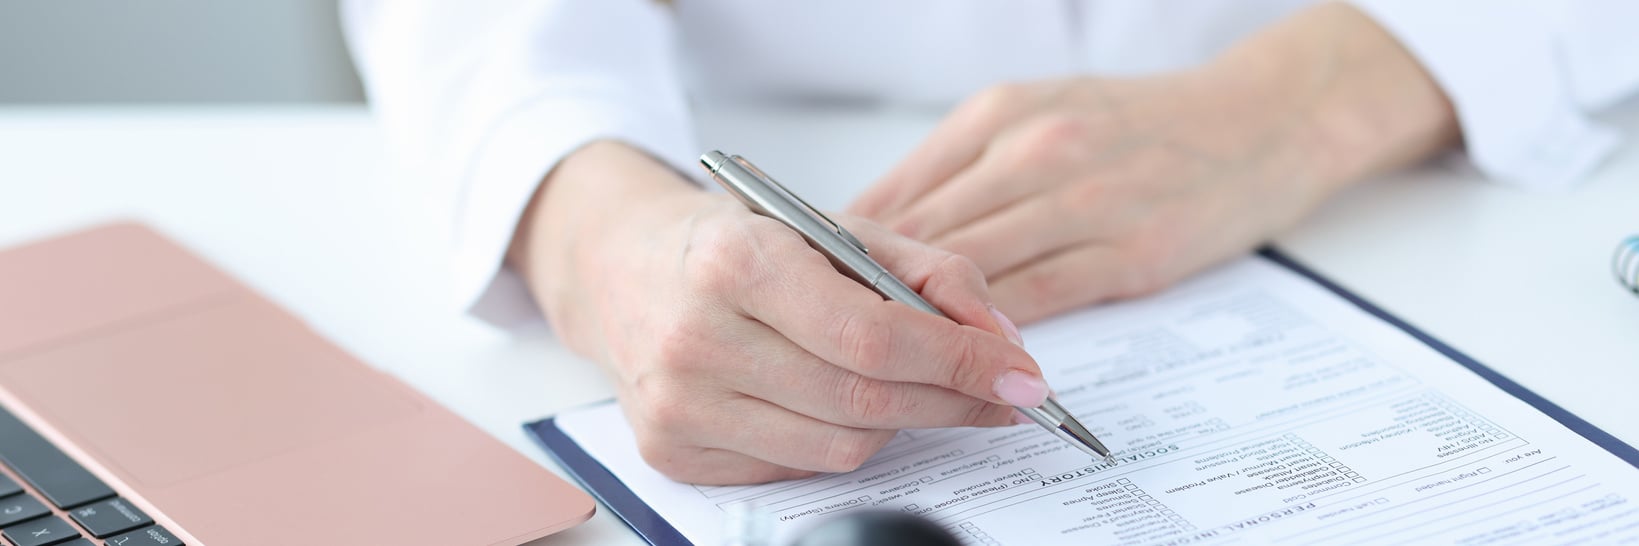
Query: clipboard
x=648 y=524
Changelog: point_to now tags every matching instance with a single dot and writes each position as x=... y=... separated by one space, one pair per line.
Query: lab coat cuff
x=1496 y=61
x=509 y=166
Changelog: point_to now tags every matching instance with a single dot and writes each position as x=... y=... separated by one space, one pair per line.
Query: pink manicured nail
x=1020 y=419
x=1008 y=328
x=1020 y=388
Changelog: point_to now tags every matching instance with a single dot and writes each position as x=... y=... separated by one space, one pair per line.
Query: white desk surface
x=299 y=202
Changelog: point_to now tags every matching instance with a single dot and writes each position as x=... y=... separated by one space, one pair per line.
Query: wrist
x=1351 y=100
x=585 y=224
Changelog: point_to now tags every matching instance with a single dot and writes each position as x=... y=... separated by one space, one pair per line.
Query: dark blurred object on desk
x=1626 y=264
x=878 y=529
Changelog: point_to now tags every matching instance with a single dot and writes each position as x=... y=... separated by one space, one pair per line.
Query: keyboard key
x=19 y=508
x=152 y=536
x=40 y=532
x=9 y=487
x=77 y=542
x=63 y=482
x=109 y=517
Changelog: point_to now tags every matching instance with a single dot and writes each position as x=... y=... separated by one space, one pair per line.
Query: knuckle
x=1043 y=288
x=715 y=259
x=864 y=341
x=849 y=449
x=665 y=410
x=967 y=368
x=1058 y=129
x=958 y=267
x=682 y=346
x=644 y=385
x=997 y=101
x=1051 y=139
x=670 y=460
x=661 y=405
x=727 y=256
x=978 y=414
x=874 y=403
x=1090 y=196
x=765 y=246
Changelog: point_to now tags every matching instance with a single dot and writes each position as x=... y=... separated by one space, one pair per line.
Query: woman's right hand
x=739 y=353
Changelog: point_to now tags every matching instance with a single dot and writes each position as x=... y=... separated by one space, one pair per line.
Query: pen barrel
x=765 y=196
x=890 y=287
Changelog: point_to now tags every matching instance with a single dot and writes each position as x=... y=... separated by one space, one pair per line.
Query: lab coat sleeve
x=480 y=99
x=1527 y=77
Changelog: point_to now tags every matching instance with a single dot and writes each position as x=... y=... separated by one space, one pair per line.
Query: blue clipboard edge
x=603 y=484
x=613 y=493
x=1594 y=434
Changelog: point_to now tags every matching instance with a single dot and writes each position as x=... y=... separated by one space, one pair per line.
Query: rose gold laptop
x=148 y=399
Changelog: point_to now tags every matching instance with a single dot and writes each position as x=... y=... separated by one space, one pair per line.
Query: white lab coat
x=482 y=97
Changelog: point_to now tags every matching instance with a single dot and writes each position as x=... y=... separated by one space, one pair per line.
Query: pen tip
x=1084 y=440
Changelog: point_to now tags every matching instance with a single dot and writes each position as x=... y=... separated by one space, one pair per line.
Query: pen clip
x=840 y=231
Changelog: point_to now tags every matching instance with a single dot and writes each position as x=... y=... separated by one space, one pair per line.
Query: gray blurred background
x=161 y=51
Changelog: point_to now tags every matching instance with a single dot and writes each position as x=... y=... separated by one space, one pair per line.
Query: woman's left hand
x=1075 y=191
x=1070 y=192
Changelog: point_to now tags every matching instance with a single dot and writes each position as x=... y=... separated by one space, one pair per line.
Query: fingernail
x=1008 y=328
x=1020 y=419
x=1021 y=388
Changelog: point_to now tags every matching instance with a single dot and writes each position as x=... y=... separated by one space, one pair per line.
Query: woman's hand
x=740 y=354
x=1070 y=192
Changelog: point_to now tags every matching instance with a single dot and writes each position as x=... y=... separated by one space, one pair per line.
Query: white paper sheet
x=1248 y=405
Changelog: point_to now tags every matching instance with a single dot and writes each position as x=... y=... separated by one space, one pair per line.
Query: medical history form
x=1253 y=404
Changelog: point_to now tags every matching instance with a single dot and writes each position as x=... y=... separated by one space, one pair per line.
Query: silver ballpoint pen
x=763 y=195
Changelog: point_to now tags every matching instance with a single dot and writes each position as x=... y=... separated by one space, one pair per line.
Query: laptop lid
x=231 y=422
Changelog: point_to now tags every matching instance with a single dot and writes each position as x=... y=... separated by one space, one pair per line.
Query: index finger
x=950 y=282
x=953 y=145
x=848 y=325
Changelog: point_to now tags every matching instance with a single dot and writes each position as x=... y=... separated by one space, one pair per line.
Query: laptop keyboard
x=56 y=502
